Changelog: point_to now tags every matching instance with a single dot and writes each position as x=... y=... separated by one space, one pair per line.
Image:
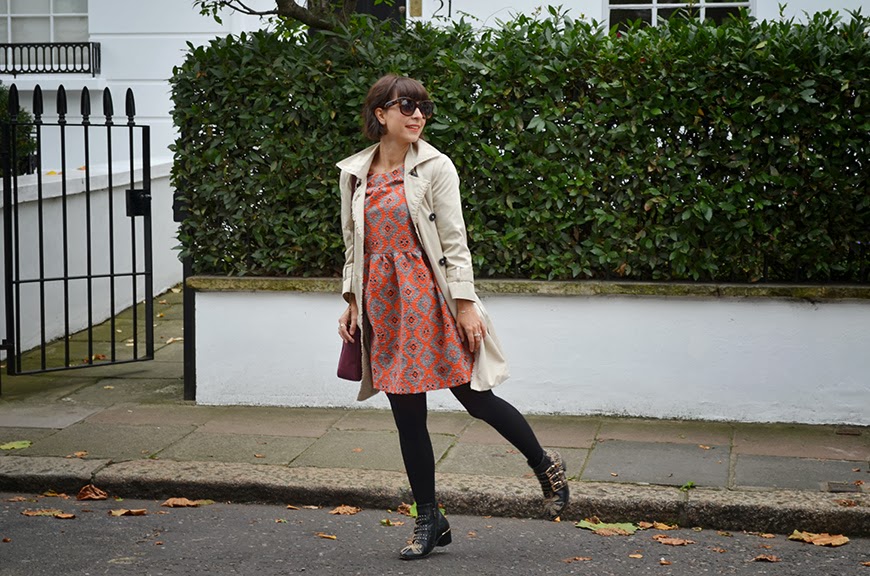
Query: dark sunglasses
x=407 y=106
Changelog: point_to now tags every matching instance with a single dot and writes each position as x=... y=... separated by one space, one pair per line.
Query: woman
x=409 y=286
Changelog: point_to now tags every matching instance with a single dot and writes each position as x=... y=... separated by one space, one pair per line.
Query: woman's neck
x=391 y=154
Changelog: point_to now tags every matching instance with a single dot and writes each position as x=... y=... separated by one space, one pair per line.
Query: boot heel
x=445 y=538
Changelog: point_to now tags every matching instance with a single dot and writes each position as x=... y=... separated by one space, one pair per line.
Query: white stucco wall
x=694 y=358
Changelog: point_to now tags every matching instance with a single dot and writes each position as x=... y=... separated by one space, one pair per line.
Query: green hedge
x=685 y=152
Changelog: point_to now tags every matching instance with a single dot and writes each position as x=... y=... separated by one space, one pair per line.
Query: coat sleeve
x=347 y=234
x=447 y=207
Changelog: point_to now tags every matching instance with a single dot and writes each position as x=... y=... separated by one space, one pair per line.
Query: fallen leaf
x=42 y=512
x=766 y=546
x=63 y=516
x=20 y=499
x=404 y=509
x=259 y=455
x=823 y=539
x=856 y=469
x=345 y=510
x=672 y=541
x=635 y=555
x=309 y=507
x=472 y=534
x=766 y=558
x=614 y=474
x=7 y=540
x=663 y=526
x=186 y=503
x=126 y=512
x=175 y=290
x=664 y=562
x=865 y=564
x=53 y=494
x=280 y=521
x=768 y=536
x=577 y=559
x=163 y=302
x=160 y=314
x=704 y=447
x=291 y=507
x=723 y=533
x=858 y=482
x=326 y=536
x=108 y=387
x=604 y=529
x=388 y=522
x=719 y=550
x=79 y=454
x=158 y=543
x=357 y=450
x=17 y=445
x=846 y=503
x=91 y=492
x=175 y=339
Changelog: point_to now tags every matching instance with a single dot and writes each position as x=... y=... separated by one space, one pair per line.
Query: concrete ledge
x=768 y=511
x=40 y=473
x=815 y=292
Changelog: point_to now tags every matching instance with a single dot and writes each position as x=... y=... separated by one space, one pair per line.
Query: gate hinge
x=138 y=202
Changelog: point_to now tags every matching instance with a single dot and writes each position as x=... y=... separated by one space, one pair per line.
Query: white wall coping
x=804 y=292
x=76 y=180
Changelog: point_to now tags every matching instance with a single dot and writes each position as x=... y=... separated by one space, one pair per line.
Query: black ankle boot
x=431 y=530
x=551 y=475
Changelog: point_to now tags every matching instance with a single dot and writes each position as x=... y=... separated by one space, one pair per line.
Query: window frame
x=52 y=14
x=654 y=5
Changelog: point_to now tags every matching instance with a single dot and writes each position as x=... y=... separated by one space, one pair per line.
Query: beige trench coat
x=432 y=194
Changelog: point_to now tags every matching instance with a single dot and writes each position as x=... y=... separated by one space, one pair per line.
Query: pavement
x=127 y=429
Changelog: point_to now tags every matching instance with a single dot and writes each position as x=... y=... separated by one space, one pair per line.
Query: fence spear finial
x=130 y=106
x=108 y=106
x=37 y=104
x=61 y=105
x=86 y=105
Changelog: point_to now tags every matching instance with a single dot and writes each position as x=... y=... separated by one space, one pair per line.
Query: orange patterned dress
x=415 y=344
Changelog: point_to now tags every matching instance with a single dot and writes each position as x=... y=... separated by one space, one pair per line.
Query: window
x=28 y=21
x=651 y=11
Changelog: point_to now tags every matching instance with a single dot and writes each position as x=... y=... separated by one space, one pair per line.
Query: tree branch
x=290 y=9
x=243 y=8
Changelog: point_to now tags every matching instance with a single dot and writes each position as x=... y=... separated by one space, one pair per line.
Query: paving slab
x=54 y=415
x=501 y=460
x=803 y=441
x=38 y=388
x=271 y=421
x=657 y=463
x=556 y=431
x=204 y=447
x=794 y=473
x=104 y=441
x=670 y=431
x=160 y=415
x=109 y=391
x=13 y=434
x=367 y=450
x=37 y=474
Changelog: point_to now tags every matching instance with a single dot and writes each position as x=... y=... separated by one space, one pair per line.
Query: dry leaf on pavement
x=664 y=562
x=345 y=510
x=49 y=512
x=719 y=550
x=823 y=539
x=635 y=555
x=53 y=494
x=766 y=558
x=603 y=529
x=577 y=559
x=404 y=509
x=326 y=536
x=91 y=492
x=672 y=541
x=126 y=512
x=185 y=503
x=291 y=507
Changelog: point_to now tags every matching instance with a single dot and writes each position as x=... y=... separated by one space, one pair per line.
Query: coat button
x=443 y=261
x=432 y=216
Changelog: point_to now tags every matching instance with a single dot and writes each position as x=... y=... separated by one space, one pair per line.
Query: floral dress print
x=415 y=345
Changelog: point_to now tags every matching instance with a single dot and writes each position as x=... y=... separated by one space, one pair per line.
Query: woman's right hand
x=347 y=321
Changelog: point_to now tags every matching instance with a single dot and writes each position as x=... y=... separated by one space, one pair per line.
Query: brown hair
x=387 y=88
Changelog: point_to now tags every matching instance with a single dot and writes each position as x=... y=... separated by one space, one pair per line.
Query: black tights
x=409 y=411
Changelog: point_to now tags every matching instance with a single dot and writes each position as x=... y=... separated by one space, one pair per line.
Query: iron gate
x=77 y=238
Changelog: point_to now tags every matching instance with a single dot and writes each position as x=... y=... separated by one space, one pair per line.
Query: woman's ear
x=379 y=114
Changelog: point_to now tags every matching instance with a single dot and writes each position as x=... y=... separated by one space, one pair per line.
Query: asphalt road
x=253 y=540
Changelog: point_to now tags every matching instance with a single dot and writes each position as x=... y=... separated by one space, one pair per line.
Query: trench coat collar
x=358 y=164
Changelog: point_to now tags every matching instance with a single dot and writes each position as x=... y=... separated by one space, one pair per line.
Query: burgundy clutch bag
x=350 y=360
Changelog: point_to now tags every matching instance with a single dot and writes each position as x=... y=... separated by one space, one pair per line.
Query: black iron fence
x=77 y=251
x=50 y=58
